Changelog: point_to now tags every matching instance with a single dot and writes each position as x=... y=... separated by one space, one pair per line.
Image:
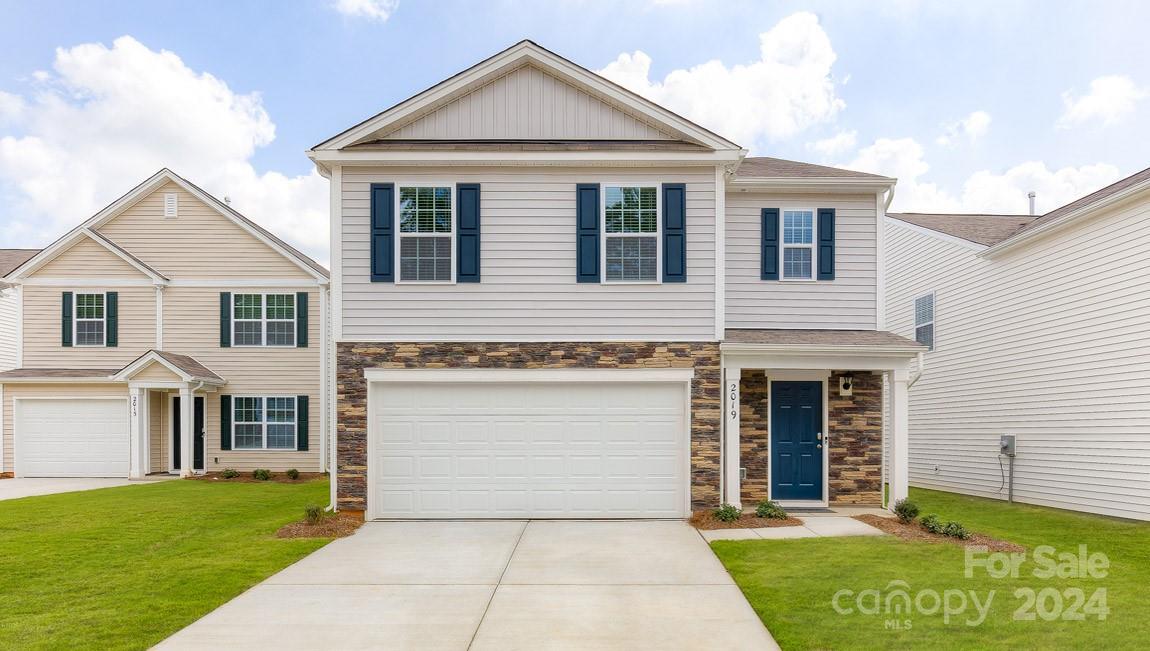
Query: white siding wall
x=528 y=290
x=1050 y=343
x=8 y=315
x=847 y=302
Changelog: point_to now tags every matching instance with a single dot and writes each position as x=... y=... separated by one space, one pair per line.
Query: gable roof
x=984 y=229
x=1131 y=182
x=185 y=366
x=525 y=52
x=12 y=258
x=149 y=185
x=762 y=167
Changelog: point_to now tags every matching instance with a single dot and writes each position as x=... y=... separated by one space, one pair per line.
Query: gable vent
x=171 y=204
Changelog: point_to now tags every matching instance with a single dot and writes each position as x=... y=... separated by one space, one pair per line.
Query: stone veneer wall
x=855 y=431
x=351 y=393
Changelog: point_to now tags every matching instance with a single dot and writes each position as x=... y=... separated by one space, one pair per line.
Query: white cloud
x=11 y=107
x=106 y=118
x=970 y=128
x=379 y=10
x=983 y=191
x=1110 y=99
x=837 y=145
x=787 y=90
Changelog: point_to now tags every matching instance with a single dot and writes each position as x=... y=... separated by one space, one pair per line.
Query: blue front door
x=796 y=441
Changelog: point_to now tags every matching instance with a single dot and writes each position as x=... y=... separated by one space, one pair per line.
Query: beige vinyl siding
x=528 y=289
x=42 y=329
x=56 y=390
x=159 y=430
x=191 y=327
x=9 y=315
x=528 y=103
x=199 y=243
x=156 y=372
x=87 y=259
x=1050 y=342
x=847 y=302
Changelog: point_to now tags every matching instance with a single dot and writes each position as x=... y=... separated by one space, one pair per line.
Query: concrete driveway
x=494 y=585
x=11 y=489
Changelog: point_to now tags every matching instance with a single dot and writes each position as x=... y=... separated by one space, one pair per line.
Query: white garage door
x=83 y=437
x=517 y=450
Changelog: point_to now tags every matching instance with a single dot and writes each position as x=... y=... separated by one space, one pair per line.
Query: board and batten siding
x=1049 y=342
x=42 y=326
x=847 y=302
x=528 y=290
x=9 y=315
x=528 y=104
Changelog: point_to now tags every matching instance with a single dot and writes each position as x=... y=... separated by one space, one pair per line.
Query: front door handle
x=819 y=436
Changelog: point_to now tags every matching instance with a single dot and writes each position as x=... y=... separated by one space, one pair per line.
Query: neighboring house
x=9 y=310
x=165 y=313
x=555 y=298
x=1039 y=328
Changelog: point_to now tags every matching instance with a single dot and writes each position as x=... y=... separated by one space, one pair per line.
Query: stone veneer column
x=855 y=430
x=754 y=436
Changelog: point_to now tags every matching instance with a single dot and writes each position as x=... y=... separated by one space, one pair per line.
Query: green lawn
x=792 y=584
x=123 y=568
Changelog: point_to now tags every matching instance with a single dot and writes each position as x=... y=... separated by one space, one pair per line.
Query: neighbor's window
x=798 y=244
x=924 y=320
x=90 y=322
x=260 y=423
x=425 y=227
x=263 y=319
x=631 y=233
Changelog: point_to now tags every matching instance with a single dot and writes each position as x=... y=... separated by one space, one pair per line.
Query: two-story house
x=167 y=333
x=554 y=298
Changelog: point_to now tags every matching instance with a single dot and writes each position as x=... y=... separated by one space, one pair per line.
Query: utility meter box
x=1006 y=444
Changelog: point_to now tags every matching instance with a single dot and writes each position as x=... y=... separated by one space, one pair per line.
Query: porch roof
x=786 y=337
x=819 y=349
x=186 y=366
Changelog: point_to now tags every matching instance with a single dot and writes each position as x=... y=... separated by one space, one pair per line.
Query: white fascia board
x=821 y=184
x=528 y=375
x=520 y=158
x=144 y=360
x=59 y=380
x=910 y=350
x=938 y=235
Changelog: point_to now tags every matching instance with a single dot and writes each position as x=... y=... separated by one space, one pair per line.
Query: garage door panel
x=528 y=450
x=83 y=437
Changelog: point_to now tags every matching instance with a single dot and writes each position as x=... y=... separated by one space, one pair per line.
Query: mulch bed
x=334 y=525
x=915 y=532
x=706 y=521
x=246 y=478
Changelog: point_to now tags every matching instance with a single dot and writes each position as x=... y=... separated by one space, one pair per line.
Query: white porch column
x=732 y=492
x=187 y=436
x=900 y=436
x=137 y=433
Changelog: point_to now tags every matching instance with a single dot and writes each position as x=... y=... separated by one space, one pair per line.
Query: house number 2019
x=734 y=400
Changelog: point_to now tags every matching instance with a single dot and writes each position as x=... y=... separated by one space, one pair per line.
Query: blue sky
x=970 y=104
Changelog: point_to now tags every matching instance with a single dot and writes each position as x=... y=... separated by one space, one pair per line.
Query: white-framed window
x=90 y=324
x=924 y=320
x=426 y=239
x=631 y=241
x=263 y=422
x=798 y=246
x=263 y=320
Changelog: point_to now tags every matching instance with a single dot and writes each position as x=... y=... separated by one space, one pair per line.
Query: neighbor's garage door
x=517 y=450
x=83 y=437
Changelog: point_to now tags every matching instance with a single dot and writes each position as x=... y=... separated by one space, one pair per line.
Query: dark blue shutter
x=769 y=254
x=382 y=232
x=674 y=233
x=826 y=243
x=225 y=423
x=111 y=319
x=301 y=422
x=225 y=319
x=587 y=232
x=66 y=320
x=467 y=237
x=301 y=319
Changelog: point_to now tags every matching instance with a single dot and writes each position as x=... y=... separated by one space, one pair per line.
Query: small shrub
x=262 y=474
x=931 y=523
x=292 y=473
x=728 y=513
x=771 y=510
x=906 y=510
x=955 y=530
x=229 y=473
x=314 y=514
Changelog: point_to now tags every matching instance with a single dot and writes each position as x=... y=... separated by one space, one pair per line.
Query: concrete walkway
x=494 y=585
x=11 y=489
x=814 y=526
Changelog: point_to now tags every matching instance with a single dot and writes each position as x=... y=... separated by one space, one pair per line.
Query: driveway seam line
x=498 y=583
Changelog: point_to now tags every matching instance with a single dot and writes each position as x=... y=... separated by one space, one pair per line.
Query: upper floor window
x=798 y=248
x=264 y=423
x=631 y=233
x=924 y=320
x=263 y=319
x=91 y=322
x=425 y=234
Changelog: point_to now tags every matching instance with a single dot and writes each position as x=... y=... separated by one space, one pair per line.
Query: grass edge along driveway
x=791 y=584
x=125 y=567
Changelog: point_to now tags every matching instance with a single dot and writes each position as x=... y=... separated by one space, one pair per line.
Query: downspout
x=918 y=374
x=889 y=199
